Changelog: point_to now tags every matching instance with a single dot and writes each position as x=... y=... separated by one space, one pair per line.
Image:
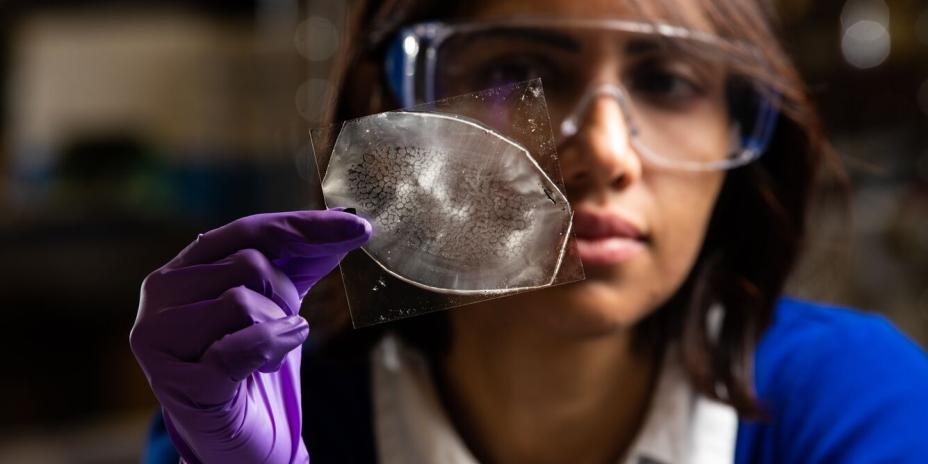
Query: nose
x=597 y=153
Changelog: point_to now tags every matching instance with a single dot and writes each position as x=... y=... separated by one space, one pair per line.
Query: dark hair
x=757 y=227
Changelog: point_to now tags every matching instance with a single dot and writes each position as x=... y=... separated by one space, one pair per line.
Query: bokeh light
x=865 y=44
x=864 y=10
x=316 y=39
x=410 y=45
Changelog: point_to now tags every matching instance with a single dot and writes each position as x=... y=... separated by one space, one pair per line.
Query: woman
x=677 y=346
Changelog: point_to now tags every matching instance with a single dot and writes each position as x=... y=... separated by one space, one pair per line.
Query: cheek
x=680 y=206
x=684 y=206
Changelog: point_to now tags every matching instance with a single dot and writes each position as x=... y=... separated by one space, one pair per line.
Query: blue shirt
x=839 y=386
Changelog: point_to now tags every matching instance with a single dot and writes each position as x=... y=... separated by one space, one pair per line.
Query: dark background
x=128 y=127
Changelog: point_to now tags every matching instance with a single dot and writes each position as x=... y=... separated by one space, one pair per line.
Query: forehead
x=687 y=13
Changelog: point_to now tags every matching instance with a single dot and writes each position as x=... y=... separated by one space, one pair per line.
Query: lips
x=595 y=225
x=606 y=238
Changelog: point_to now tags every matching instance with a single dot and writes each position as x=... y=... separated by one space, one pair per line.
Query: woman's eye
x=665 y=86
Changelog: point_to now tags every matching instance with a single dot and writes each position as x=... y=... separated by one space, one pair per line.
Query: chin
x=588 y=308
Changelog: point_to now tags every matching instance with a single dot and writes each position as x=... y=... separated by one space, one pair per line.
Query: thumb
x=260 y=346
x=307 y=272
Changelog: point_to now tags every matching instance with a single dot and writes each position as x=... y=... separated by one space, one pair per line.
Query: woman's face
x=639 y=226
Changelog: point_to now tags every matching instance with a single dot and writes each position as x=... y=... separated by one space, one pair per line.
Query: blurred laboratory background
x=127 y=127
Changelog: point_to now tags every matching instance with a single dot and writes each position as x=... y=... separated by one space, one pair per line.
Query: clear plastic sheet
x=465 y=197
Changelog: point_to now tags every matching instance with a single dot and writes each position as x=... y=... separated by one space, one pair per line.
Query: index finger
x=303 y=234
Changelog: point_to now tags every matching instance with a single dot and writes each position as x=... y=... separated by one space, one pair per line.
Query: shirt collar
x=411 y=426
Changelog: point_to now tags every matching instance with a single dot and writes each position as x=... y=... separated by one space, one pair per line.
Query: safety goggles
x=689 y=100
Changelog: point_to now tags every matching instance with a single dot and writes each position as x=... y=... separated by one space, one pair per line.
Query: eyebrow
x=553 y=38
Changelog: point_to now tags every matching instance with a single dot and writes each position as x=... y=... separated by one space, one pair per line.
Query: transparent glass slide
x=465 y=197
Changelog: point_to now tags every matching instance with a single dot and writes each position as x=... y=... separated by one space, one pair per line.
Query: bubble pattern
x=457 y=212
x=455 y=206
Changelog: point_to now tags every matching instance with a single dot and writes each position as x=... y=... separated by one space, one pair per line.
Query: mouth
x=605 y=238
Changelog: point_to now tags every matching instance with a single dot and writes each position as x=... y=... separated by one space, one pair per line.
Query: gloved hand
x=218 y=333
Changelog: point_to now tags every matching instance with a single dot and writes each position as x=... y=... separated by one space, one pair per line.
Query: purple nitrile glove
x=218 y=333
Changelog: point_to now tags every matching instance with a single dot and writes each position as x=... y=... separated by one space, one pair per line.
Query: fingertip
x=293 y=332
x=366 y=229
x=341 y=225
x=298 y=321
x=298 y=331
